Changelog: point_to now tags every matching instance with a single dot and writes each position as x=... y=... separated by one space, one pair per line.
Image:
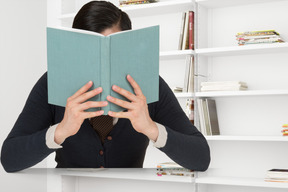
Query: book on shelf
x=186 y=40
x=258 y=37
x=190 y=110
x=285 y=130
x=277 y=175
x=208 y=117
x=135 y=2
x=172 y=168
x=223 y=86
x=177 y=89
x=78 y=56
x=189 y=75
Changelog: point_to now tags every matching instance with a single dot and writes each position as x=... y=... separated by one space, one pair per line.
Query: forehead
x=110 y=30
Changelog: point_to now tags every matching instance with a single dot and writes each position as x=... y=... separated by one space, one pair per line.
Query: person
x=42 y=128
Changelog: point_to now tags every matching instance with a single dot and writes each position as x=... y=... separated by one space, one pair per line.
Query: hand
x=137 y=109
x=75 y=112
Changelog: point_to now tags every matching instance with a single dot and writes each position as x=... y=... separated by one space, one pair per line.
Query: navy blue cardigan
x=25 y=145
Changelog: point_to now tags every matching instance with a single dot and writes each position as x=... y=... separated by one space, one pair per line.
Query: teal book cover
x=75 y=57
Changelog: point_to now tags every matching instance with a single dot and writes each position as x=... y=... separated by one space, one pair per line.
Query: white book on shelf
x=186 y=77
x=201 y=116
x=212 y=117
x=223 y=88
x=185 y=31
x=226 y=83
x=191 y=76
x=182 y=30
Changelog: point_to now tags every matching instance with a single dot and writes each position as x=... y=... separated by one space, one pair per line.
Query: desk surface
x=113 y=173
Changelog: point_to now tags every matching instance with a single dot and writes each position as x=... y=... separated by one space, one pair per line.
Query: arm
x=185 y=144
x=25 y=145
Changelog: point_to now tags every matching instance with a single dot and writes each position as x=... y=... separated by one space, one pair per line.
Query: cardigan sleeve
x=25 y=145
x=185 y=144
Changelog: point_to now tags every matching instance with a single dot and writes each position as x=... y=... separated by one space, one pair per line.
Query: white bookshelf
x=241 y=93
x=240 y=181
x=219 y=58
x=243 y=50
x=149 y=9
x=246 y=138
x=178 y=54
x=184 y=95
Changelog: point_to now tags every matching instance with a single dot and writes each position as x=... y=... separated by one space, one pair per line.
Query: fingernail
x=109 y=98
x=115 y=87
x=110 y=113
x=90 y=82
x=101 y=112
x=105 y=103
x=99 y=89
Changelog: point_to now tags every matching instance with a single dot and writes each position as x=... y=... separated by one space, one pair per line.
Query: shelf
x=243 y=50
x=178 y=54
x=238 y=181
x=246 y=138
x=228 y=3
x=150 y=9
x=184 y=95
x=172 y=6
x=241 y=93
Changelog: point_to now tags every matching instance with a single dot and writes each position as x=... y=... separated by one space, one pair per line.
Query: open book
x=78 y=56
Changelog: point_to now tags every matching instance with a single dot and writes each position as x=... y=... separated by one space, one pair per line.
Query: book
x=172 y=168
x=223 y=86
x=135 y=2
x=212 y=117
x=189 y=110
x=181 y=30
x=277 y=175
x=208 y=117
x=258 y=37
x=191 y=30
x=77 y=56
x=189 y=75
x=185 y=40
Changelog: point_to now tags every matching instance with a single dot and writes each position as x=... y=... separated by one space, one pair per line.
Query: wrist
x=152 y=132
x=59 y=136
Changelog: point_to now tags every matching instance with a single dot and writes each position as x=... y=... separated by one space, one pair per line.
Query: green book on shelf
x=78 y=56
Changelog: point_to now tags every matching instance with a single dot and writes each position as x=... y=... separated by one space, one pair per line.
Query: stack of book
x=277 y=175
x=208 y=117
x=285 y=130
x=257 y=37
x=171 y=168
x=186 y=40
x=223 y=86
x=135 y=2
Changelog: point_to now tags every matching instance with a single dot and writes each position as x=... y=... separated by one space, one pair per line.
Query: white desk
x=114 y=180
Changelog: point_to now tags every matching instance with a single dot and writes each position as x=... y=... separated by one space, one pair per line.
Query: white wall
x=22 y=62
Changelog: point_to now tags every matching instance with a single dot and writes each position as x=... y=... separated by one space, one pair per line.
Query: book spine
x=105 y=72
x=191 y=30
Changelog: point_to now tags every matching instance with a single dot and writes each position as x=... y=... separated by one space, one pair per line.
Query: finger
x=85 y=96
x=92 y=114
x=130 y=96
x=92 y=104
x=120 y=114
x=82 y=90
x=120 y=102
x=135 y=85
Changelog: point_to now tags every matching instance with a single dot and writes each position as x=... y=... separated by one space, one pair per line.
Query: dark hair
x=99 y=15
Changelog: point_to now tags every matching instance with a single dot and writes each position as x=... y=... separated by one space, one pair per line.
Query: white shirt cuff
x=50 y=138
x=162 y=136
